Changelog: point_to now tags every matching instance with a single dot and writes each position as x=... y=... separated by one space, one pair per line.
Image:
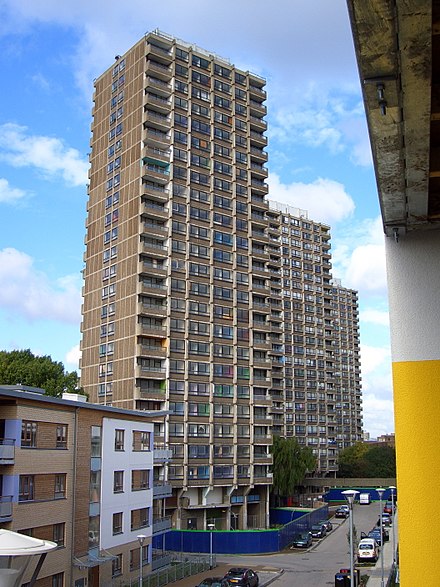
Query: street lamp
x=349 y=495
x=380 y=491
x=141 y=539
x=393 y=489
x=211 y=527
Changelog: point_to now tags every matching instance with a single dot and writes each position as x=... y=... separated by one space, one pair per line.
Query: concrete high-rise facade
x=184 y=301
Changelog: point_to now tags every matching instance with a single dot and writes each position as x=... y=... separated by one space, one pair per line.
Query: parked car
x=368 y=549
x=378 y=535
x=213 y=582
x=342 y=512
x=328 y=525
x=386 y=520
x=388 y=507
x=318 y=531
x=242 y=577
x=302 y=540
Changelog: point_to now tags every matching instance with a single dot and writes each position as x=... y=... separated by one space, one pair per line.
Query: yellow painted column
x=413 y=268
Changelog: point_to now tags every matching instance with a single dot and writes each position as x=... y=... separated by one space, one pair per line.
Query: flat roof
x=37 y=394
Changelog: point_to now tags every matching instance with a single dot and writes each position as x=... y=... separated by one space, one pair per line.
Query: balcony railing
x=5 y=508
x=7 y=451
x=161 y=524
x=161 y=490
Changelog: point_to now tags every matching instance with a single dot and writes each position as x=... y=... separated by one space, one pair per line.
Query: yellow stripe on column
x=417 y=425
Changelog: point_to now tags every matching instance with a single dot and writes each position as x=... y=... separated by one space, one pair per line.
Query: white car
x=368 y=549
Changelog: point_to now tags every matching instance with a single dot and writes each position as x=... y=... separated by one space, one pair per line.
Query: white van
x=364 y=498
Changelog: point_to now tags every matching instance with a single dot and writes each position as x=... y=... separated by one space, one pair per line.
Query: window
x=60 y=486
x=118 y=481
x=117 y=565
x=119 y=439
x=58 y=580
x=29 y=434
x=140 y=479
x=199 y=143
x=117 y=523
x=141 y=440
x=140 y=518
x=26 y=488
x=58 y=534
x=222 y=238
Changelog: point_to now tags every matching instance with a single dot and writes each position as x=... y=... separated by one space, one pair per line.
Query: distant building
x=389 y=439
x=83 y=476
x=203 y=298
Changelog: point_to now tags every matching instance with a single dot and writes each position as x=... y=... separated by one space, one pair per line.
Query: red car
x=388 y=508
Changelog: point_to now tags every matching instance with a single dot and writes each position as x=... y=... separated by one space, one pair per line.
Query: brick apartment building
x=83 y=476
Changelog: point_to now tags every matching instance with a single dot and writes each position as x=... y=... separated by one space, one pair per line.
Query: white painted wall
x=128 y=500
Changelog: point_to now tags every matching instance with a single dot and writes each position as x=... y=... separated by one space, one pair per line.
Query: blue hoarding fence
x=290 y=521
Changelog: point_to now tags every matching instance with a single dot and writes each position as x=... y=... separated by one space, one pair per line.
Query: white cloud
x=8 y=194
x=48 y=155
x=71 y=360
x=324 y=199
x=374 y=358
x=378 y=415
x=375 y=316
x=358 y=256
x=28 y=292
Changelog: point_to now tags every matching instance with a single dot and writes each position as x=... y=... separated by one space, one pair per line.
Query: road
x=317 y=566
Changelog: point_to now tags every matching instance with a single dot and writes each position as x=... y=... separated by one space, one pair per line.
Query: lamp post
x=211 y=527
x=349 y=495
x=392 y=488
x=380 y=491
x=141 y=539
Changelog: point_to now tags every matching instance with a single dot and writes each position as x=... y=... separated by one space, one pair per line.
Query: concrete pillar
x=413 y=267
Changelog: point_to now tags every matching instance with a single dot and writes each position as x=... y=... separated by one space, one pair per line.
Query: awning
x=90 y=560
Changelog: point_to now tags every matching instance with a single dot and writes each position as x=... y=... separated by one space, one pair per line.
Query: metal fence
x=181 y=566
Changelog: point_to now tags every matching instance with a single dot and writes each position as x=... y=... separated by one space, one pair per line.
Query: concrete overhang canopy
x=396 y=44
x=14 y=544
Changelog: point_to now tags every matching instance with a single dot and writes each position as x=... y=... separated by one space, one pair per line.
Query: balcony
x=150 y=372
x=156 y=137
x=159 y=70
x=257 y=107
x=162 y=490
x=151 y=351
x=153 y=288
x=157 y=173
x=156 y=120
x=5 y=508
x=157 y=155
x=151 y=269
x=257 y=139
x=154 y=210
x=154 y=248
x=161 y=454
x=153 y=310
x=258 y=124
x=7 y=451
x=155 y=229
x=159 y=87
x=153 y=330
x=157 y=103
x=162 y=54
x=161 y=525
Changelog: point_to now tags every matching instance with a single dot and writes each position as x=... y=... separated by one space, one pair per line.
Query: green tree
x=290 y=464
x=23 y=367
x=367 y=460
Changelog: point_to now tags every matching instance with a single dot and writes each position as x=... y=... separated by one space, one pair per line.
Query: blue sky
x=319 y=155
